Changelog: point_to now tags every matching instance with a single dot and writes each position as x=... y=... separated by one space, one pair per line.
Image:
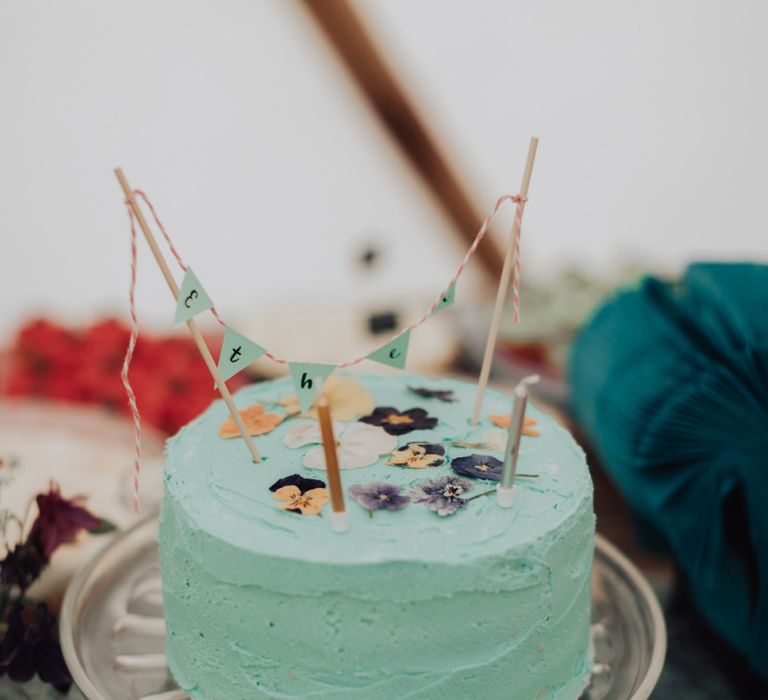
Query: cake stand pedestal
x=113 y=632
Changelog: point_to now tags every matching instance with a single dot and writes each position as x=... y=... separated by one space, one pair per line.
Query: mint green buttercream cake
x=485 y=603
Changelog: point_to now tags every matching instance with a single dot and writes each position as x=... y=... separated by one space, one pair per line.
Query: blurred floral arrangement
x=29 y=643
x=171 y=381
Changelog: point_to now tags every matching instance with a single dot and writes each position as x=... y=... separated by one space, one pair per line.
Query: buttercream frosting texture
x=488 y=602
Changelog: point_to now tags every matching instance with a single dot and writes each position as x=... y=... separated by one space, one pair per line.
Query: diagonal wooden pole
x=193 y=329
x=501 y=294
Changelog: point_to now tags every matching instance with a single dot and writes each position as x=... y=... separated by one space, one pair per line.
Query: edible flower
x=400 y=422
x=492 y=439
x=445 y=395
x=502 y=421
x=443 y=495
x=417 y=455
x=357 y=444
x=300 y=495
x=256 y=422
x=378 y=495
x=478 y=466
x=346 y=399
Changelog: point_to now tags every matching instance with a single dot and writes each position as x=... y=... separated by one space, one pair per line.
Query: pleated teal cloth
x=670 y=383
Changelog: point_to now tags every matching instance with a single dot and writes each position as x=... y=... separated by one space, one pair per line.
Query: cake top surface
x=227 y=497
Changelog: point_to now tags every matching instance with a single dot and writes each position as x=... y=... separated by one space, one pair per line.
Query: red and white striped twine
x=516 y=198
x=127 y=364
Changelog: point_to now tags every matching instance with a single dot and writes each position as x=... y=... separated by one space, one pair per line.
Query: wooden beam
x=349 y=37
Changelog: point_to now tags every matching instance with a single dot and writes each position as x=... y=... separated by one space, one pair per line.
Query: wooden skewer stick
x=191 y=324
x=501 y=294
x=339 y=511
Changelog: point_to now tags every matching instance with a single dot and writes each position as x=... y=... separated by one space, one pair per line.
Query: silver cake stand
x=113 y=631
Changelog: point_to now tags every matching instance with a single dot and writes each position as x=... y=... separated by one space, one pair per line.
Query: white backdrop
x=266 y=165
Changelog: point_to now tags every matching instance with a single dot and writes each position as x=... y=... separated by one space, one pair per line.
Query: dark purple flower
x=300 y=482
x=60 y=520
x=400 y=422
x=30 y=646
x=478 y=466
x=443 y=495
x=22 y=565
x=445 y=395
x=378 y=495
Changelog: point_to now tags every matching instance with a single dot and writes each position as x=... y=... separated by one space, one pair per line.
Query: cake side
x=268 y=604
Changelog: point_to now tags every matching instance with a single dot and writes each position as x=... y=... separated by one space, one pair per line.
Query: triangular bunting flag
x=193 y=299
x=394 y=353
x=237 y=352
x=447 y=299
x=308 y=377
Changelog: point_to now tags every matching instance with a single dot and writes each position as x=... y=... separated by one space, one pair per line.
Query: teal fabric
x=670 y=382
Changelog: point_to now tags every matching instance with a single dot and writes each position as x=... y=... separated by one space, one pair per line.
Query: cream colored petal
x=305 y=432
x=318 y=495
x=346 y=397
x=312 y=501
x=289 y=505
x=354 y=457
x=315 y=458
x=361 y=445
x=290 y=405
x=425 y=461
x=495 y=440
x=287 y=493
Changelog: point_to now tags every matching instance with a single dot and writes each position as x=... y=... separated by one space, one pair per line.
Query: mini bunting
x=237 y=352
x=447 y=299
x=393 y=353
x=193 y=299
x=308 y=377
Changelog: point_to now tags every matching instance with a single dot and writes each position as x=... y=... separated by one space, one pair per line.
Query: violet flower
x=400 y=422
x=443 y=495
x=478 y=466
x=302 y=483
x=378 y=495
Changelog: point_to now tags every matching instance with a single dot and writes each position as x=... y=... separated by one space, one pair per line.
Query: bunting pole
x=191 y=324
x=501 y=294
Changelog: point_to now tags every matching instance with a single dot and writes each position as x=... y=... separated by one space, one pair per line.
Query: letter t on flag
x=237 y=352
x=308 y=377
x=394 y=353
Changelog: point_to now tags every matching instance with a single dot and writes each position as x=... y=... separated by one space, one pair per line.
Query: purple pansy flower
x=445 y=395
x=378 y=495
x=300 y=482
x=443 y=495
x=478 y=466
x=400 y=422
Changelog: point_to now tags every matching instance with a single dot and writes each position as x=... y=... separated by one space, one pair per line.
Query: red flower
x=169 y=377
x=60 y=520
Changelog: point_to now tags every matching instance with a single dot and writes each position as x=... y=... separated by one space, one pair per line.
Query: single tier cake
x=433 y=593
